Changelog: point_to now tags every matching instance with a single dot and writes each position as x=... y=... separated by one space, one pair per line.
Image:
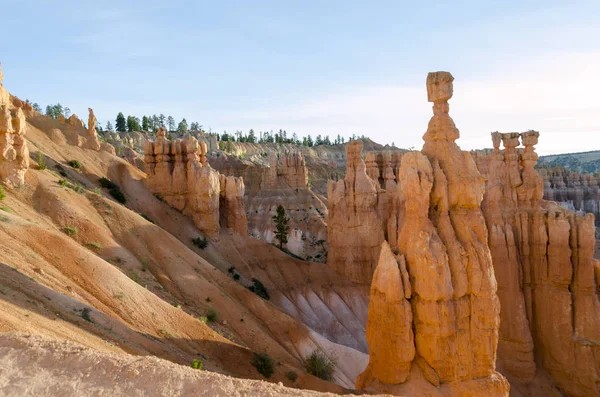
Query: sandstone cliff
x=179 y=173
x=547 y=277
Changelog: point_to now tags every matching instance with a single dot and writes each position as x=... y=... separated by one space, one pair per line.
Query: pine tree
x=58 y=110
x=281 y=226
x=37 y=107
x=133 y=124
x=161 y=120
x=120 y=123
x=171 y=123
x=67 y=112
x=183 y=126
x=109 y=126
x=251 y=137
x=145 y=124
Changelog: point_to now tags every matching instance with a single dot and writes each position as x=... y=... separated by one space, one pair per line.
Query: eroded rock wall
x=434 y=303
x=547 y=277
x=574 y=191
x=179 y=173
x=355 y=228
x=14 y=153
x=283 y=182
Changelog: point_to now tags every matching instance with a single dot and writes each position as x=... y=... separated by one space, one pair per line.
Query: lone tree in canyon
x=281 y=226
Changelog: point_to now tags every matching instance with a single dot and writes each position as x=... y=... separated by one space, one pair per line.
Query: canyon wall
x=547 y=277
x=179 y=173
x=573 y=190
x=284 y=181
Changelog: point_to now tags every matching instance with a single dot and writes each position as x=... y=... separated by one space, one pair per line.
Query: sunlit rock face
x=179 y=174
x=547 y=277
x=14 y=153
x=433 y=297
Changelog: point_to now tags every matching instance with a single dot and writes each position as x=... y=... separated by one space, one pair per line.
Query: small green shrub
x=208 y=299
x=94 y=245
x=292 y=375
x=263 y=364
x=75 y=164
x=236 y=276
x=2 y=194
x=70 y=230
x=211 y=315
x=85 y=314
x=259 y=289
x=63 y=182
x=61 y=170
x=200 y=242
x=41 y=161
x=78 y=188
x=107 y=184
x=203 y=319
x=118 y=195
x=197 y=364
x=319 y=365
x=231 y=270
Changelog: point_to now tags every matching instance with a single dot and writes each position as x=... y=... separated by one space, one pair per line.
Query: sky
x=316 y=67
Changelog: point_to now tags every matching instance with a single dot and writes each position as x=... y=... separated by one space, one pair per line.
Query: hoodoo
x=547 y=276
x=14 y=153
x=441 y=283
x=179 y=173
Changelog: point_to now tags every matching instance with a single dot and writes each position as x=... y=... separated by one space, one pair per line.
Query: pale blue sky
x=316 y=67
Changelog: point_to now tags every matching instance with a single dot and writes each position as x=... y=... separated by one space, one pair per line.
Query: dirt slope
x=79 y=266
x=29 y=369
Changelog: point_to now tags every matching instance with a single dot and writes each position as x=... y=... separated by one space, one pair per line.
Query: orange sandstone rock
x=389 y=328
x=179 y=173
x=14 y=153
x=543 y=256
x=454 y=309
x=355 y=230
x=92 y=138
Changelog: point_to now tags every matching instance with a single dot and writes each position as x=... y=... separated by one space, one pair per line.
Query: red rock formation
x=292 y=173
x=355 y=230
x=547 y=277
x=92 y=138
x=449 y=297
x=179 y=173
x=14 y=154
x=231 y=204
x=572 y=190
x=389 y=328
